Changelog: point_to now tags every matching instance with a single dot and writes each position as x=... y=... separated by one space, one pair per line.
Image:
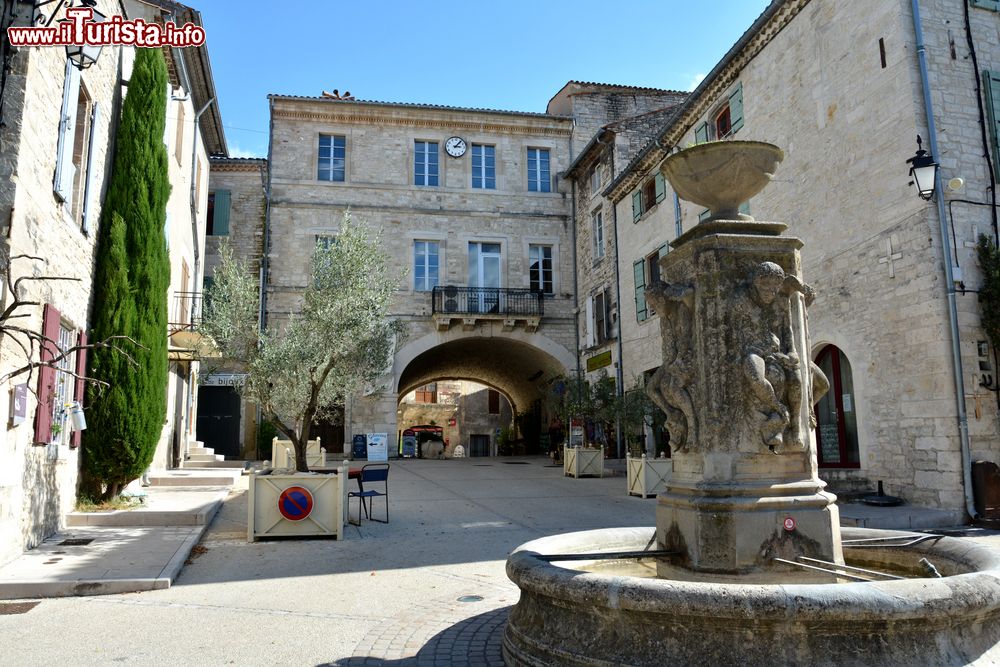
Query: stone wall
x=873 y=250
x=38 y=483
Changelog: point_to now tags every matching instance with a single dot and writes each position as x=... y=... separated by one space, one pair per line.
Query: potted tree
x=300 y=370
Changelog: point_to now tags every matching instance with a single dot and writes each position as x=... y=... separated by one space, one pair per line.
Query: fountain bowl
x=593 y=614
x=721 y=175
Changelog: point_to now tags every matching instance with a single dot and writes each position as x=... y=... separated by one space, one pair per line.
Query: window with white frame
x=425 y=265
x=65 y=383
x=332 y=152
x=538 y=170
x=597 y=220
x=484 y=167
x=540 y=268
x=425 y=163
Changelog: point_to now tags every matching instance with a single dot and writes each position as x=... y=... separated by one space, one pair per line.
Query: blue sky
x=510 y=54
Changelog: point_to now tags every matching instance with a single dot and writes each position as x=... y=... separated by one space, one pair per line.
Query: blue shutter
x=664 y=249
x=986 y=4
x=678 y=226
x=736 y=109
x=991 y=90
x=701 y=133
x=745 y=208
x=88 y=188
x=637 y=206
x=63 y=181
x=661 y=188
x=639 y=271
x=220 y=221
x=704 y=215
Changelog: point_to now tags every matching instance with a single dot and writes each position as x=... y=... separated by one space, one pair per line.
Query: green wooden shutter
x=991 y=90
x=704 y=215
x=745 y=208
x=639 y=271
x=220 y=222
x=661 y=188
x=664 y=249
x=701 y=133
x=986 y=4
x=736 y=108
x=637 y=206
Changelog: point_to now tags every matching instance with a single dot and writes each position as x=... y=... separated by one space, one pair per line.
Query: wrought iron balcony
x=186 y=342
x=469 y=304
x=185 y=311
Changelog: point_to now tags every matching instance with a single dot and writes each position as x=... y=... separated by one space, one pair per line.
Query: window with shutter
x=81 y=371
x=639 y=273
x=701 y=133
x=88 y=189
x=65 y=173
x=660 y=188
x=589 y=323
x=179 y=134
x=47 y=375
x=736 y=109
x=991 y=90
x=678 y=224
x=636 y=206
x=219 y=204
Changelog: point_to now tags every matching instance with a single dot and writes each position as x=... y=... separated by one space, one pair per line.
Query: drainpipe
x=576 y=267
x=956 y=351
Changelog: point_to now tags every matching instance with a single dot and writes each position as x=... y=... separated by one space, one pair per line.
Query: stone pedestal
x=738 y=386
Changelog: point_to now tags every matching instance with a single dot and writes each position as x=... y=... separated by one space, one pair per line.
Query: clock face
x=455 y=147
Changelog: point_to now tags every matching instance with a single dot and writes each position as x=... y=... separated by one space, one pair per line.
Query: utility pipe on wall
x=956 y=351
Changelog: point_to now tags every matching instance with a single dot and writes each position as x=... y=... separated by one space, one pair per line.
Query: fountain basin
x=570 y=616
x=721 y=175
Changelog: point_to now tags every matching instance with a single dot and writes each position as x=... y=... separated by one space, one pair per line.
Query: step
x=233 y=465
x=163 y=507
x=205 y=458
x=195 y=477
x=200 y=450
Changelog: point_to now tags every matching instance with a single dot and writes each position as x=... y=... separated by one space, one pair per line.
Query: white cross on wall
x=890 y=257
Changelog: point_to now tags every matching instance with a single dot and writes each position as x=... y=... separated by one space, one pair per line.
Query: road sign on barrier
x=295 y=503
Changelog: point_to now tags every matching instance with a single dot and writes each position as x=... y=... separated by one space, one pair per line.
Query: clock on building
x=455 y=146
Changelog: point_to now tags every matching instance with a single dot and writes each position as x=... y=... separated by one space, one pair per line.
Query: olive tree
x=301 y=368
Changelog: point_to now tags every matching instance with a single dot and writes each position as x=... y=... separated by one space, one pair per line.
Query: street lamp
x=923 y=171
x=86 y=55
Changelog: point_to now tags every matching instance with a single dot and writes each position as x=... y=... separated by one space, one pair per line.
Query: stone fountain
x=747 y=564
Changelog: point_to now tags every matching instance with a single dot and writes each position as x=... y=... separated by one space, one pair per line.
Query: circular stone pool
x=612 y=613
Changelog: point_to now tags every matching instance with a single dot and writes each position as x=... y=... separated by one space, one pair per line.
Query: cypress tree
x=130 y=291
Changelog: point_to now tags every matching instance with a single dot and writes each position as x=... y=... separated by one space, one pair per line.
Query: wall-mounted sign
x=599 y=361
x=18 y=404
x=224 y=380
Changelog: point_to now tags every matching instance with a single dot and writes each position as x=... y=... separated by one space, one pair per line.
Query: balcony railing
x=185 y=310
x=500 y=301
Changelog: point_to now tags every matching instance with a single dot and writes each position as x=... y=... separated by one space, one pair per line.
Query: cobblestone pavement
x=444 y=635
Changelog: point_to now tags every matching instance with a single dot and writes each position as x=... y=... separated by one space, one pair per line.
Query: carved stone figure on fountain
x=669 y=385
x=769 y=361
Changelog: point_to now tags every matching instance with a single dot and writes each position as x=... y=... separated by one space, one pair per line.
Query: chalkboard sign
x=829 y=442
x=359 y=447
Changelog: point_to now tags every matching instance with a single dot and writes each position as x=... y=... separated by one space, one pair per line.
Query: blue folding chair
x=373 y=473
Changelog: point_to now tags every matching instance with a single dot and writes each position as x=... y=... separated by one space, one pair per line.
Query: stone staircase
x=205 y=457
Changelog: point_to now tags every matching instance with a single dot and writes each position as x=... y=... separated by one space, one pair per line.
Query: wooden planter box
x=325 y=518
x=648 y=477
x=583 y=461
x=283 y=454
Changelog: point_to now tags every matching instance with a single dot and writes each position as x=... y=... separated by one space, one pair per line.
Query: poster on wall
x=378 y=446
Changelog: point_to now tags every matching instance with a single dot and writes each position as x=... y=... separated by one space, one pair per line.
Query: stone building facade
x=237 y=207
x=847 y=113
x=480 y=236
x=56 y=150
x=55 y=219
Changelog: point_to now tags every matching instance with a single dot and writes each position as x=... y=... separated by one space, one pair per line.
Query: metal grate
x=76 y=542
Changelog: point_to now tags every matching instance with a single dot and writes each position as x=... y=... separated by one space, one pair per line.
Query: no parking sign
x=295 y=503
